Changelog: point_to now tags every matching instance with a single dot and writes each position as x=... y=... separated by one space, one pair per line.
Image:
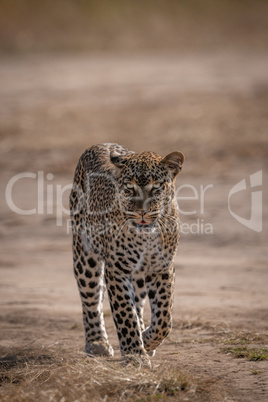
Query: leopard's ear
x=117 y=159
x=174 y=162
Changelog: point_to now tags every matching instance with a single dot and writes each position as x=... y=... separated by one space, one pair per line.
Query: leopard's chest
x=132 y=252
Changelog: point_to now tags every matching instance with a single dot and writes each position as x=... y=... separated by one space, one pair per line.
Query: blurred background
x=154 y=75
x=150 y=74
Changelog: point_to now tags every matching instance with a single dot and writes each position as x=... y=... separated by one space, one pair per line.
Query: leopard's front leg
x=160 y=292
x=122 y=301
x=89 y=273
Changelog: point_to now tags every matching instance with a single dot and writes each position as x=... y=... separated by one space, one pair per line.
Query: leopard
x=125 y=232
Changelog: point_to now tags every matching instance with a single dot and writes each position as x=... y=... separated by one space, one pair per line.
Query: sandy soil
x=213 y=108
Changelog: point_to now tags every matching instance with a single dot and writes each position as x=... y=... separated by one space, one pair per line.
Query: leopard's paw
x=137 y=360
x=99 y=348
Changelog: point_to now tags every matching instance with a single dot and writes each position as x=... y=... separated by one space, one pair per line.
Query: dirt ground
x=212 y=107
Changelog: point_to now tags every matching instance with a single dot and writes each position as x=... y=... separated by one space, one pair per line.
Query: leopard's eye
x=156 y=186
x=129 y=186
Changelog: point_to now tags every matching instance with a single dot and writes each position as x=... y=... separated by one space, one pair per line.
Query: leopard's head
x=146 y=184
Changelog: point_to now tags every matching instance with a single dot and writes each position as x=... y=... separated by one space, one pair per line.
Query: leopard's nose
x=142 y=212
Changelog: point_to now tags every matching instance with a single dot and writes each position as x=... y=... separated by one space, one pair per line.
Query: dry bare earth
x=213 y=108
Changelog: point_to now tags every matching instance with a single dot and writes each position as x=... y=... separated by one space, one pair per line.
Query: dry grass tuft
x=55 y=373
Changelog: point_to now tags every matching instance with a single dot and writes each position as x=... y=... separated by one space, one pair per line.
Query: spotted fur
x=125 y=235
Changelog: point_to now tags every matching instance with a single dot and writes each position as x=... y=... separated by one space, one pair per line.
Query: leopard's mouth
x=144 y=225
x=146 y=219
x=143 y=222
